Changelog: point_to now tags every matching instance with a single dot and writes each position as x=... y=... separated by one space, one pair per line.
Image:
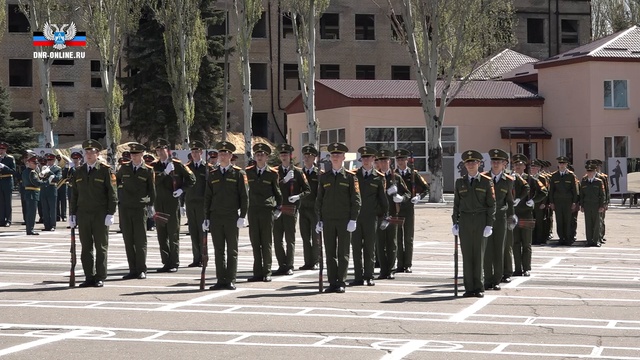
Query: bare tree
x=3 y=15
x=610 y=16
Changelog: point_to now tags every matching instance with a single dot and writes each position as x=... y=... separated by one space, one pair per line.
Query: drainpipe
x=549 y=28
x=558 y=37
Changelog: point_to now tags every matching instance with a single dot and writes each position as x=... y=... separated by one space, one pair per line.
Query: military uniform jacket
x=65 y=177
x=605 y=181
x=296 y=186
x=537 y=192
x=180 y=178
x=373 y=193
x=592 y=193
x=133 y=187
x=196 y=192
x=563 y=187
x=415 y=183
x=95 y=191
x=264 y=190
x=57 y=176
x=392 y=178
x=6 y=173
x=504 y=190
x=474 y=199
x=32 y=184
x=226 y=194
x=338 y=196
x=309 y=201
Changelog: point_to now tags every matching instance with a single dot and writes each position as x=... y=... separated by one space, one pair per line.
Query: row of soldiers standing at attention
x=495 y=214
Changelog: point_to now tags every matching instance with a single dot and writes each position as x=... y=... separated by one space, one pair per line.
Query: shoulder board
x=236 y=167
x=148 y=166
x=485 y=176
x=176 y=160
x=570 y=172
x=249 y=167
x=486 y=173
x=322 y=171
x=274 y=169
x=555 y=172
x=379 y=173
x=106 y=165
x=584 y=176
x=9 y=156
x=350 y=172
x=508 y=177
x=297 y=168
x=188 y=163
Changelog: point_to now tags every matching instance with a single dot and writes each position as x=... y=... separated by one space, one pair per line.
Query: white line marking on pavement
x=553 y=262
x=196 y=300
x=404 y=350
x=465 y=313
x=500 y=348
x=44 y=341
x=515 y=282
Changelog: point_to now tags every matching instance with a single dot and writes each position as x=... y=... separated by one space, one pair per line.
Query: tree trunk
x=45 y=110
x=312 y=124
x=247 y=105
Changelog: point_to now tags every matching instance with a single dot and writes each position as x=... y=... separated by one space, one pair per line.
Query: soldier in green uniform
x=522 y=234
x=92 y=207
x=63 y=190
x=265 y=200
x=418 y=188
x=520 y=194
x=307 y=214
x=607 y=195
x=294 y=187
x=31 y=182
x=7 y=170
x=494 y=255
x=548 y=223
x=374 y=200
x=592 y=203
x=539 y=234
x=563 y=197
x=49 y=192
x=474 y=211
x=194 y=200
x=137 y=189
x=172 y=178
x=337 y=206
x=226 y=200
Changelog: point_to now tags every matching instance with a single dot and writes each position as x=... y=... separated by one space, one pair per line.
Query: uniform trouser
x=563 y=220
x=285 y=227
x=49 y=198
x=405 y=239
x=168 y=237
x=539 y=235
x=592 y=224
x=574 y=225
x=93 y=233
x=307 y=222
x=30 y=208
x=507 y=269
x=602 y=226
x=134 y=234
x=195 y=218
x=61 y=206
x=6 y=186
x=224 y=233
x=494 y=254
x=549 y=223
x=336 y=248
x=473 y=245
x=363 y=246
x=387 y=248
x=260 y=235
x=522 y=246
x=23 y=202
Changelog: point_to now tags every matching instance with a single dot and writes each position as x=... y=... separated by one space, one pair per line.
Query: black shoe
x=99 y=283
x=391 y=276
x=370 y=282
x=129 y=276
x=230 y=286
x=506 y=279
x=315 y=267
x=280 y=271
x=330 y=289
x=488 y=286
x=479 y=294
x=266 y=279
x=195 y=264
x=254 y=279
x=526 y=273
x=603 y=239
x=408 y=270
x=173 y=269
x=289 y=272
x=87 y=283
x=340 y=290
x=356 y=283
x=468 y=294
x=305 y=267
x=217 y=286
x=64 y=219
x=33 y=233
x=142 y=275
x=517 y=273
x=382 y=276
x=495 y=287
x=8 y=223
x=163 y=269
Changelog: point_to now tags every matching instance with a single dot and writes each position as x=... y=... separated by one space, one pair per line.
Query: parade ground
x=579 y=302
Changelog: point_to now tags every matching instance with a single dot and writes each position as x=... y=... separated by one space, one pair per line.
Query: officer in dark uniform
x=474 y=211
x=548 y=223
x=337 y=206
x=31 y=182
x=308 y=217
x=592 y=203
x=520 y=195
x=563 y=195
x=49 y=192
x=7 y=170
x=607 y=195
x=265 y=200
x=226 y=201
x=418 y=188
x=539 y=235
x=92 y=207
x=137 y=188
x=293 y=186
x=374 y=200
x=194 y=200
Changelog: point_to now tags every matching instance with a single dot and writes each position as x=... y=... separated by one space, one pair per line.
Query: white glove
x=72 y=221
x=384 y=224
x=415 y=199
x=169 y=168
x=351 y=226
x=288 y=177
x=45 y=169
x=108 y=220
x=177 y=193
x=319 y=227
x=150 y=212
x=51 y=178
x=276 y=214
x=397 y=199
x=242 y=222
x=205 y=225
x=2 y=166
x=145 y=200
x=488 y=230
x=455 y=230
x=513 y=222
x=183 y=211
x=392 y=190
x=516 y=202
x=530 y=203
x=294 y=198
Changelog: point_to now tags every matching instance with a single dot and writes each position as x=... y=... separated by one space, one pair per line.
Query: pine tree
x=17 y=133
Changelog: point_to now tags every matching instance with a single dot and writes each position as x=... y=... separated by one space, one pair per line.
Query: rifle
x=455 y=267
x=204 y=252
x=72 y=272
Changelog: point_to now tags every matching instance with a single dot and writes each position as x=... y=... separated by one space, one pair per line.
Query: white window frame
x=612 y=103
x=613 y=149
x=562 y=148
x=329 y=135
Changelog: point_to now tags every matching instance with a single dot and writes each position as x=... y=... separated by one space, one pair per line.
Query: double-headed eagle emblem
x=60 y=36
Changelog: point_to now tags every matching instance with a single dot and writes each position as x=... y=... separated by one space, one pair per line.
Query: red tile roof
x=504 y=62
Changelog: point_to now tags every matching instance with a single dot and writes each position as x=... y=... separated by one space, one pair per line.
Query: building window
x=260 y=28
x=20 y=72
x=258 y=76
x=330 y=26
x=535 y=31
x=449 y=140
x=18 y=23
x=400 y=72
x=62 y=83
x=62 y=62
x=24 y=116
x=615 y=94
x=287 y=26
x=566 y=148
x=96 y=79
x=260 y=124
x=391 y=138
x=616 y=146
x=569 y=33
x=95 y=65
x=98 y=125
x=329 y=71
x=219 y=29
x=327 y=137
x=530 y=150
x=365 y=27
x=394 y=32
x=290 y=73
x=65 y=114
x=365 y=72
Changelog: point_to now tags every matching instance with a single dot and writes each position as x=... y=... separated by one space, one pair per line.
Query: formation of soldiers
x=367 y=213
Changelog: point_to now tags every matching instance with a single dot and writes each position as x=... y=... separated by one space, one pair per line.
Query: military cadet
x=307 y=215
x=563 y=197
x=76 y=162
x=494 y=255
x=387 y=234
x=213 y=157
x=539 y=235
x=548 y=224
x=592 y=203
x=151 y=223
x=607 y=195
x=31 y=182
x=137 y=189
x=265 y=200
x=92 y=207
x=474 y=210
x=520 y=195
x=49 y=192
x=226 y=201
x=418 y=188
x=374 y=200
x=293 y=186
x=194 y=200
x=7 y=170
x=63 y=190
x=337 y=206
x=21 y=167
x=172 y=178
